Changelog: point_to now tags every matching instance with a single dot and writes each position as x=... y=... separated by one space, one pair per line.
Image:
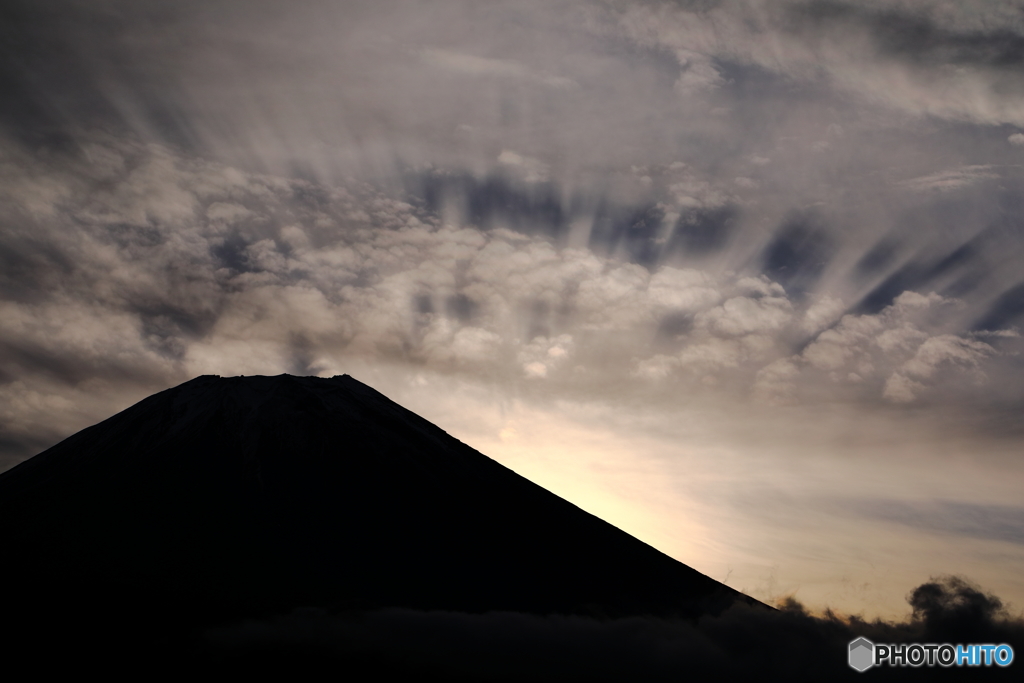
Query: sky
x=742 y=278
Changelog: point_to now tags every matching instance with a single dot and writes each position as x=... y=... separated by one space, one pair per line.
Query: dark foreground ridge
x=248 y=497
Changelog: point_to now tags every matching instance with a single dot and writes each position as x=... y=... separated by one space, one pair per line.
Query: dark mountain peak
x=233 y=496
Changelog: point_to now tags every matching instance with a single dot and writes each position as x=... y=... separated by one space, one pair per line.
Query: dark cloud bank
x=742 y=643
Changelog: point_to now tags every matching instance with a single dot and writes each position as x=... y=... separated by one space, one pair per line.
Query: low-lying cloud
x=752 y=643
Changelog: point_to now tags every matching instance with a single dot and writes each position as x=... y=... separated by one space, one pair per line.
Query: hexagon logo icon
x=862 y=654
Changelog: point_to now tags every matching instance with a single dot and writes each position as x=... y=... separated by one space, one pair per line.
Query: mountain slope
x=231 y=497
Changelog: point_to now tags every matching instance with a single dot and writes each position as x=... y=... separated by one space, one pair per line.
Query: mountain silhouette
x=231 y=498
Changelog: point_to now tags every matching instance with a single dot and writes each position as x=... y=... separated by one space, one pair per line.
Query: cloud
x=542 y=355
x=698 y=73
x=473 y=65
x=944 y=349
x=822 y=314
x=184 y=267
x=1003 y=523
x=929 y=356
x=741 y=316
x=927 y=59
x=742 y=642
x=534 y=169
x=895 y=345
x=775 y=382
x=682 y=290
x=955 y=179
x=899 y=389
